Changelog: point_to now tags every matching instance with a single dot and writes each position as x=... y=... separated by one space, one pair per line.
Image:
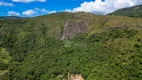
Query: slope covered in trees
x=33 y=50
x=135 y=11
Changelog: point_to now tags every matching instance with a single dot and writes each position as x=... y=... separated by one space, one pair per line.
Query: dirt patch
x=75 y=77
x=73 y=28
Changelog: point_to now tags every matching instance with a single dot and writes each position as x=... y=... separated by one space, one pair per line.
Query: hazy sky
x=40 y=7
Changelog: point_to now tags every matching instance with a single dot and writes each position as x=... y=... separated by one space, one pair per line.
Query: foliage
x=33 y=50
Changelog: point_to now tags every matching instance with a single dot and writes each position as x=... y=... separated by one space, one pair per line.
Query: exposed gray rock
x=73 y=28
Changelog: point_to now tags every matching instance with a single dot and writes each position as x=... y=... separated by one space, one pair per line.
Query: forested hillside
x=135 y=11
x=51 y=46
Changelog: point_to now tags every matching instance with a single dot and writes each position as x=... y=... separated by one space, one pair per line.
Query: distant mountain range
x=10 y=17
x=135 y=11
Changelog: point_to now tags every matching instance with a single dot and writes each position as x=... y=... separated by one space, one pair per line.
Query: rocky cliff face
x=73 y=28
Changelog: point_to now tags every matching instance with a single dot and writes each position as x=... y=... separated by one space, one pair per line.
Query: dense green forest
x=135 y=11
x=32 y=49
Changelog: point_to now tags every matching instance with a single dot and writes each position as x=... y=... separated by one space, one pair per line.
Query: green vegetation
x=4 y=61
x=32 y=49
x=135 y=11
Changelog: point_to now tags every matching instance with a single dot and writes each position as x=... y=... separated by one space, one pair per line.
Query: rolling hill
x=135 y=11
x=49 y=47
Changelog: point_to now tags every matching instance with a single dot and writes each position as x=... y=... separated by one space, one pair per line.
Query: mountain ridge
x=135 y=11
